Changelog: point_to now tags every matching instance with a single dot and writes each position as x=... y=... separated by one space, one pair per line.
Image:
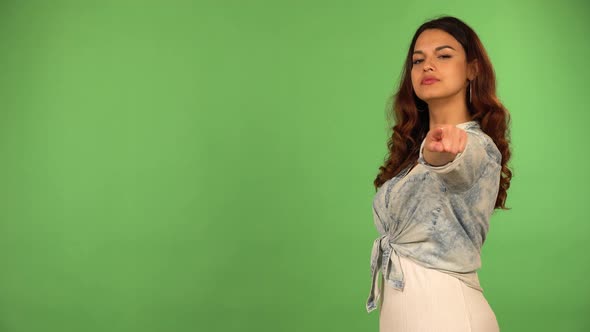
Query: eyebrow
x=436 y=49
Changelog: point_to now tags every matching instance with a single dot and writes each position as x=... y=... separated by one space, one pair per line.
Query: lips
x=429 y=81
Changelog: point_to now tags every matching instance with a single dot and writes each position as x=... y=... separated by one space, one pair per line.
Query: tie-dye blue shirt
x=437 y=216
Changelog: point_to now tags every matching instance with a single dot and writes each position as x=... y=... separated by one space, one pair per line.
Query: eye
x=417 y=61
x=445 y=56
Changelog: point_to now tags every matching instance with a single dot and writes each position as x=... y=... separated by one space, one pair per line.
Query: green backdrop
x=208 y=165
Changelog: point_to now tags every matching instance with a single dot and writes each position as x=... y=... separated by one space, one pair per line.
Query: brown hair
x=411 y=113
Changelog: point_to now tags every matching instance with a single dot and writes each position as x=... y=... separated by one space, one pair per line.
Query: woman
x=445 y=174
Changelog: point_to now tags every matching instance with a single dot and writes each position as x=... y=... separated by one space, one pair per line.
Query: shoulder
x=484 y=141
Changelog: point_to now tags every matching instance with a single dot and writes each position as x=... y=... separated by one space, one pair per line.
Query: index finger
x=438 y=133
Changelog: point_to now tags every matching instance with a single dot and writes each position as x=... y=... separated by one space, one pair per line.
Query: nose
x=428 y=66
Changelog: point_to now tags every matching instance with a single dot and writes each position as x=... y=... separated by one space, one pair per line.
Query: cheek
x=460 y=75
x=415 y=79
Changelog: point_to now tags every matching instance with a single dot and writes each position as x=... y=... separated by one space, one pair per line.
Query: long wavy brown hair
x=411 y=115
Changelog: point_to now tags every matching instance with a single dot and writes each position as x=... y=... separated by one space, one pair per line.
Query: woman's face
x=439 y=67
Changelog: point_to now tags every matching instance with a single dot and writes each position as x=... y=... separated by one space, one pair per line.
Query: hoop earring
x=470 y=92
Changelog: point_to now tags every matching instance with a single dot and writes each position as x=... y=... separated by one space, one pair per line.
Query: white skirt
x=433 y=301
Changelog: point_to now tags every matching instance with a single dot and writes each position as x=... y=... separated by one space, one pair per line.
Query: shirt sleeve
x=468 y=166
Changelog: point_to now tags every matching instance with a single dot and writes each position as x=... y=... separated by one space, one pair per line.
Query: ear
x=472 y=70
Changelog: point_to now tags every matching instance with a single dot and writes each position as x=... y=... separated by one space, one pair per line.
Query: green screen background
x=208 y=166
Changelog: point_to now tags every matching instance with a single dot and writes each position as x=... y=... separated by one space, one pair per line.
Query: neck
x=449 y=112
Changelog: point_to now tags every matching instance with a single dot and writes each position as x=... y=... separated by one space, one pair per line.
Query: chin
x=431 y=97
x=434 y=96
